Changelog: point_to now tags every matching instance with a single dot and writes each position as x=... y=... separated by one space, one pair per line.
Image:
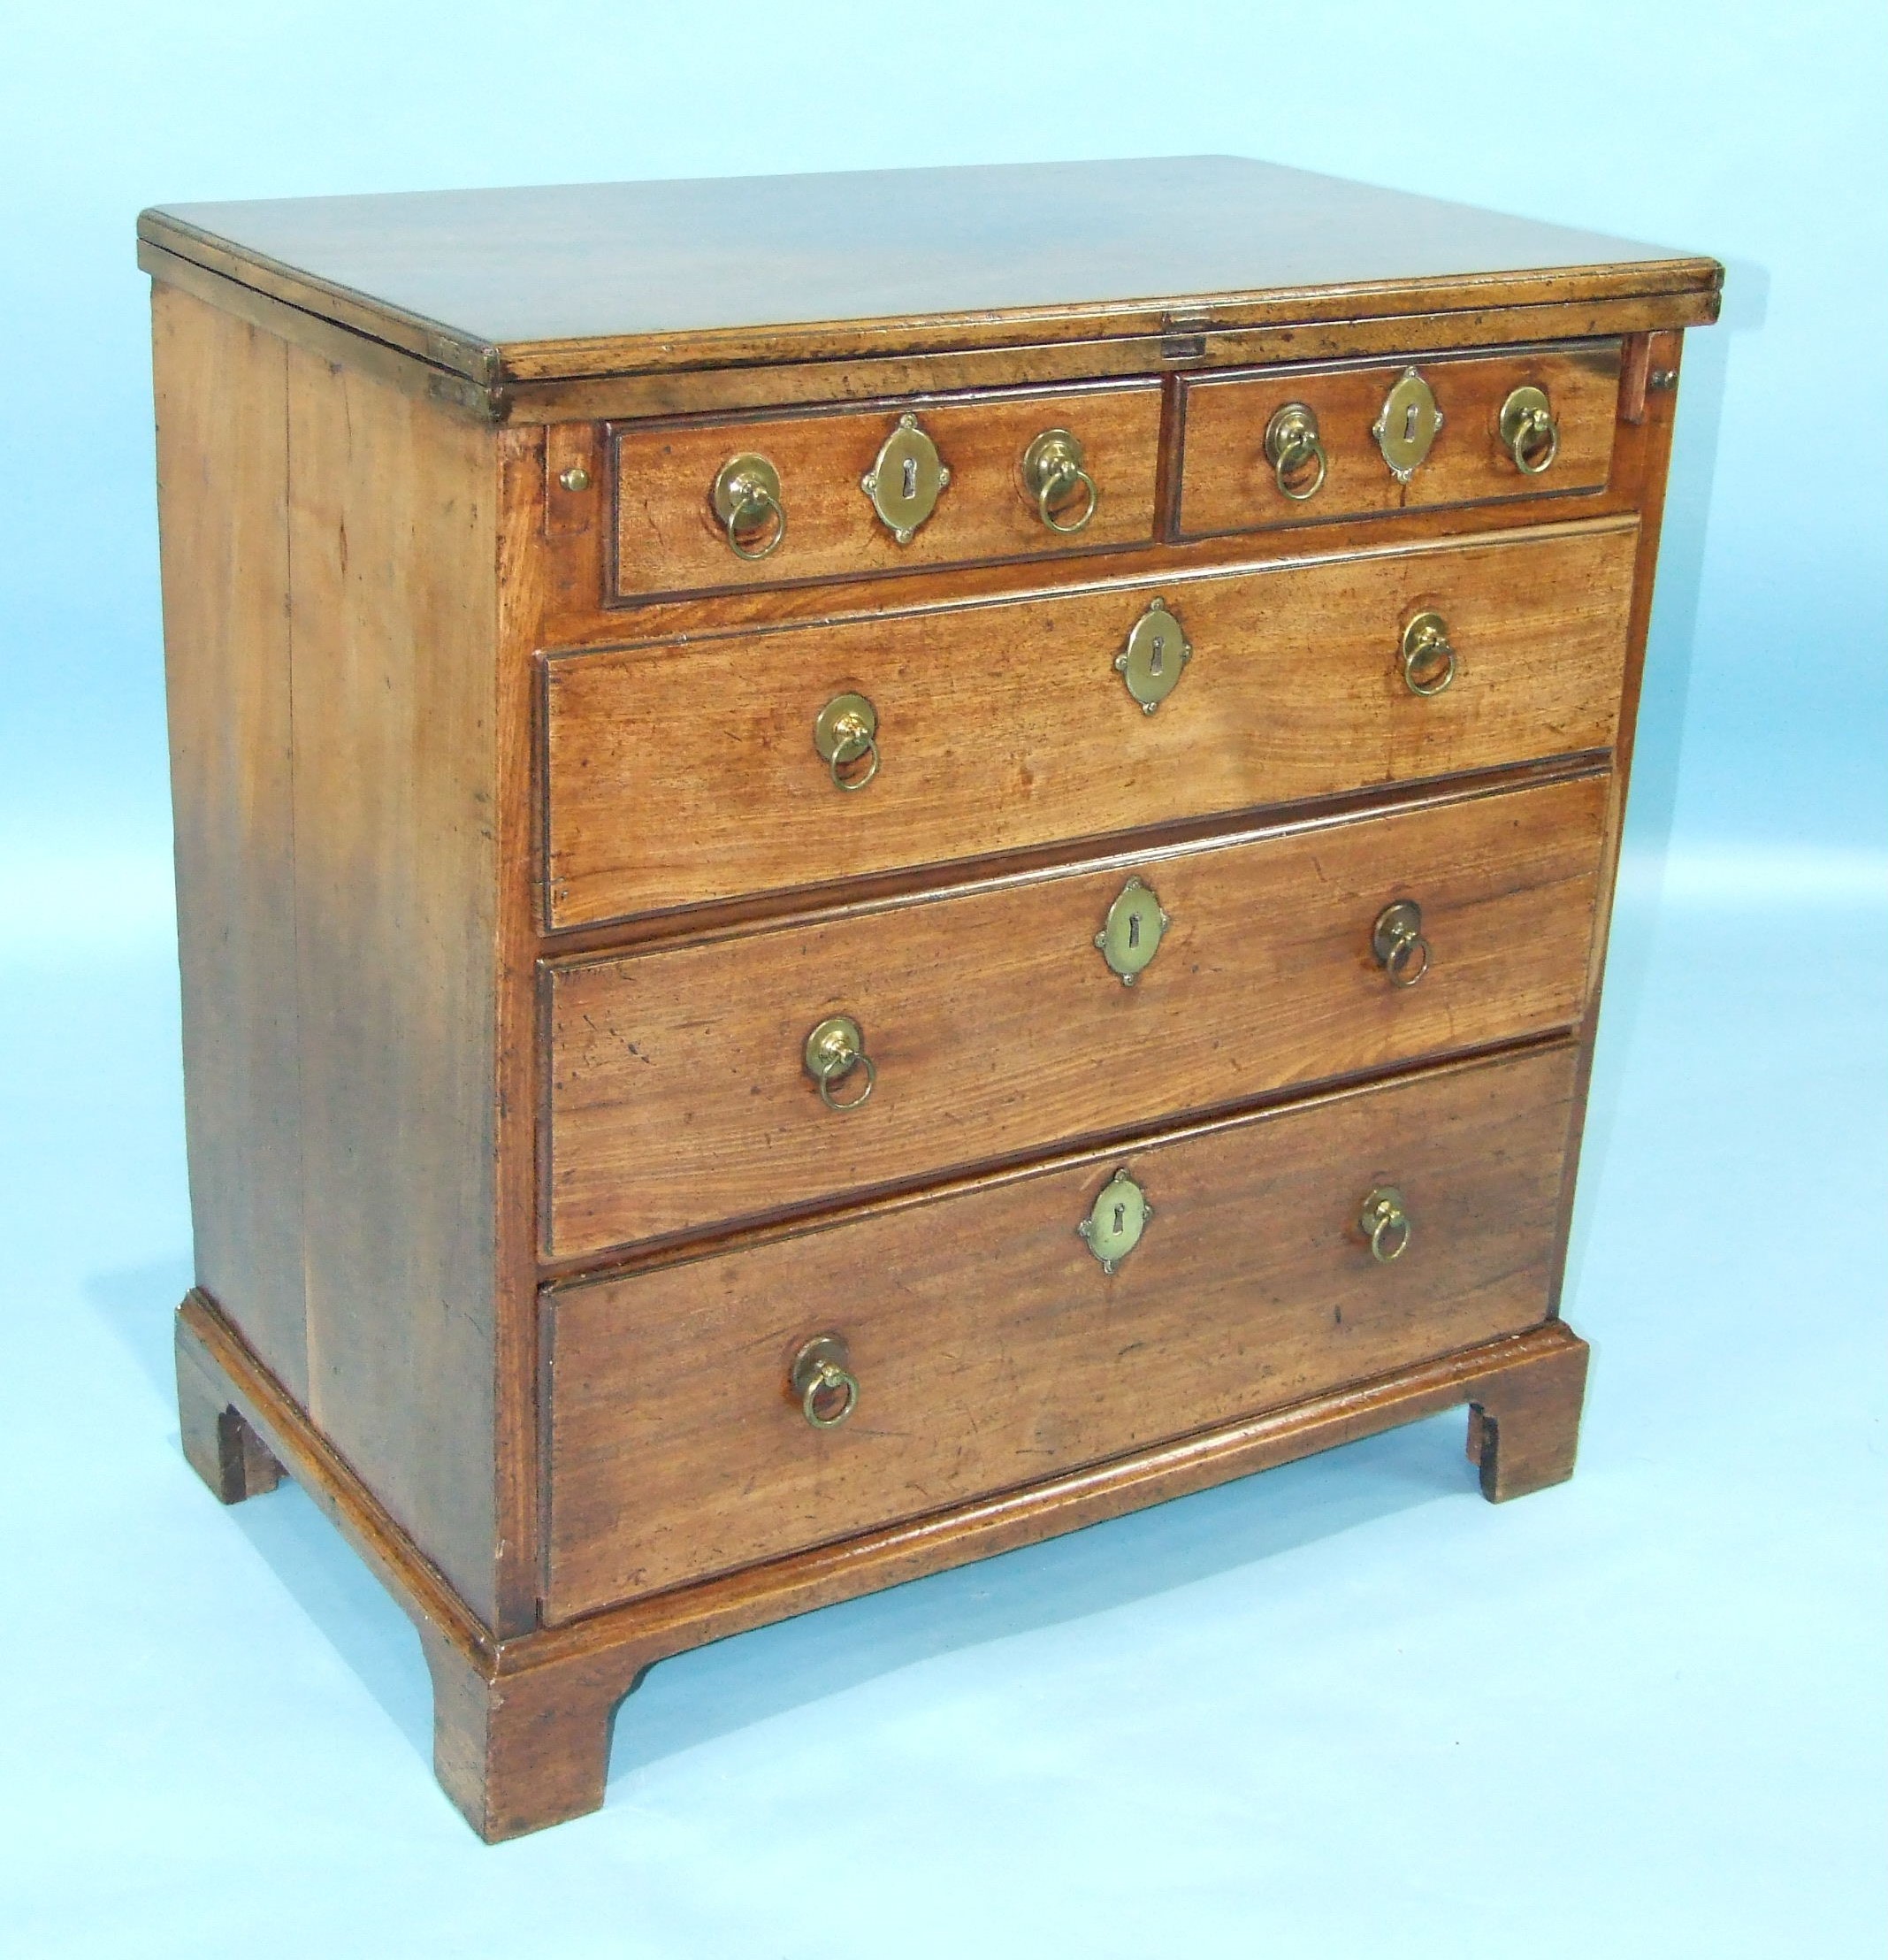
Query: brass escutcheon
x=1151 y=661
x=822 y=1372
x=1385 y=1223
x=1407 y=425
x=1113 y=1227
x=906 y=480
x=1130 y=935
x=1528 y=430
x=1051 y=472
x=745 y=496
x=833 y=1050
x=1428 y=660
x=844 y=732
x=1294 y=451
x=1398 y=943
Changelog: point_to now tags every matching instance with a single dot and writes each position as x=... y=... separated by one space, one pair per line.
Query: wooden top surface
x=595 y=279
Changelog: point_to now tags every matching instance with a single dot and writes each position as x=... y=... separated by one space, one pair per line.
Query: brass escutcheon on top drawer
x=907 y=481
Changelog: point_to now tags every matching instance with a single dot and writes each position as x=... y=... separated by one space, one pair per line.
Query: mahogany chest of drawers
x=872 y=866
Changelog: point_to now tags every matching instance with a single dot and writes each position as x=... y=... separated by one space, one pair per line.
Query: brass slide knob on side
x=823 y=1382
x=1052 y=471
x=833 y=1050
x=845 y=733
x=1428 y=660
x=1529 y=432
x=1385 y=1223
x=1398 y=943
x=1295 y=454
x=746 y=499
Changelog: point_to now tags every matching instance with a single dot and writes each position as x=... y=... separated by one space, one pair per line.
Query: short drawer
x=684 y=772
x=991 y=1348
x=991 y=1023
x=703 y=506
x=1233 y=478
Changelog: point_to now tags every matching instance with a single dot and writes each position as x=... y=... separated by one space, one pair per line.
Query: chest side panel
x=392 y=622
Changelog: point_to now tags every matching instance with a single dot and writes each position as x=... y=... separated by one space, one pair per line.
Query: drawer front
x=1230 y=482
x=991 y=1349
x=993 y=1026
x=806 y=516
x=680 y=773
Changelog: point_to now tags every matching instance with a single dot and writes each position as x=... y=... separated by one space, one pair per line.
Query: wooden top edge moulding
x=575 y=281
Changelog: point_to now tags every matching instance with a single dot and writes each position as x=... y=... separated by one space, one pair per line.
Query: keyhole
x=1409 y=423
x=1159 y=662
x=910 y=475
x=1121 y=1219
x=1134 y=930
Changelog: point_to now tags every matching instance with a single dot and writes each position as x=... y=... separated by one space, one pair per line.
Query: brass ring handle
x=1386 y=1224
x=1409 y=962
x=845 y=755
x=871 y=1082
x=1396 y=938
x=1428 y=660
x=844 y=733
x=1291 y=442
x=821 y=1370
x=833 y=1050
x=1529 y=431
x=745 y=495
x=748 y=516
x=1052 y=467
x=1054 y=488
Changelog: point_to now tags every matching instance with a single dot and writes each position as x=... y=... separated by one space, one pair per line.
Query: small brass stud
x=575 y=479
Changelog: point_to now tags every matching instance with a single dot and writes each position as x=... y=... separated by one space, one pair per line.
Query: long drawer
x=991 y=1347
x=683 y=772
x=989 y=1023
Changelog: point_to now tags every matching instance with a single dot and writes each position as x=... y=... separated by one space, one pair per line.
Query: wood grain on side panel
x=683 y=772
x=670 y=539
x=1228 y=483
x=222 y=479
x=678 y=1098
x=991 y=1350
x=394 y=556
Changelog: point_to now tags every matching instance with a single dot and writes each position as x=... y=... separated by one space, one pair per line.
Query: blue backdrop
x=1338 y=1707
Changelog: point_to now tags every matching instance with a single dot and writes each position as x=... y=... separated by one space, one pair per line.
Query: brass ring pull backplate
x=1428 y=660
x=1151 y=661
x=1114 y=1225
x=833 y=1050
x=906 y=480
x=1051 y=472
x=1398 y=943
x=1385 y=1223
x=746 y=497
x=1529 y=432
x=823 y=1383
x=1294 y=451
x=1407 y=425
x=845 y=733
